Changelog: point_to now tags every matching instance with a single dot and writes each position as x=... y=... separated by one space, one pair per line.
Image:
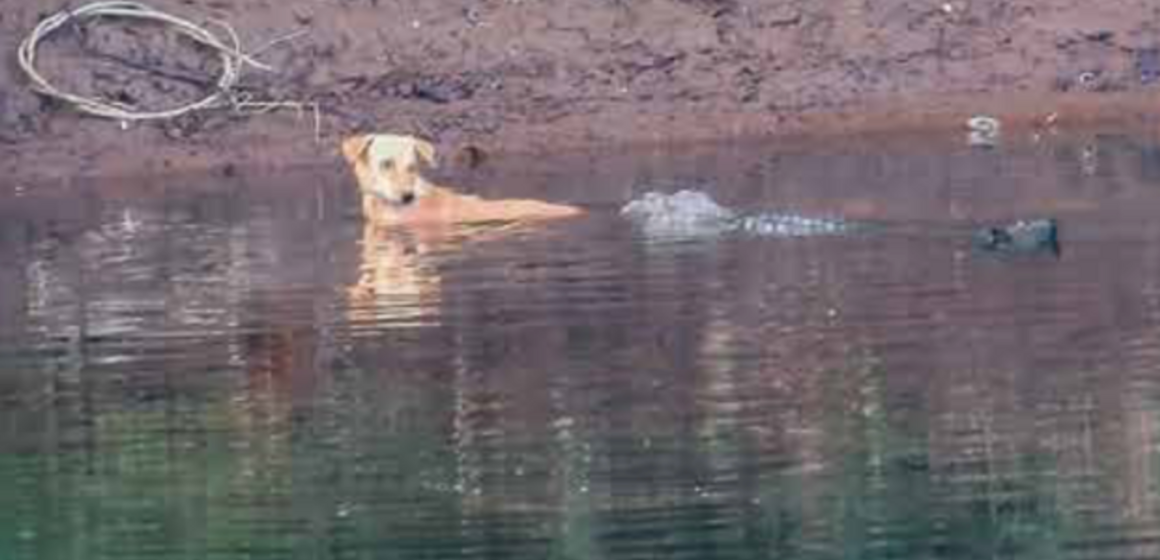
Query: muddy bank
x=542 y=75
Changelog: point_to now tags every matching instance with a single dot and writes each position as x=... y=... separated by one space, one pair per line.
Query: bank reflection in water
x=196 y=376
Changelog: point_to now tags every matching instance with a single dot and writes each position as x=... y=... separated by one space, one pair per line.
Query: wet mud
x=507 y=76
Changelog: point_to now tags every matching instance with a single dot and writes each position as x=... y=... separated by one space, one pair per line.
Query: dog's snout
x=407 y=198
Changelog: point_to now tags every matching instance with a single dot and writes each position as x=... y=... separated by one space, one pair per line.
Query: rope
x=229 y=50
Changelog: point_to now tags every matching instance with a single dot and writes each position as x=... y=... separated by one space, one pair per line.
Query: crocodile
x=1023 y=236
x=693 y=214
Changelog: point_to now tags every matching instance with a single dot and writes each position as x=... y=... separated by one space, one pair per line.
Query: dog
x=388 y=169
x=411 y=225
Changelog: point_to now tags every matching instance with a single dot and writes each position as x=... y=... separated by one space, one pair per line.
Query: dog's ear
x=355 y=148
x=426 y=152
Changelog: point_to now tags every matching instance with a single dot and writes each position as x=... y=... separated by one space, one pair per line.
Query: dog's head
x=387 y=166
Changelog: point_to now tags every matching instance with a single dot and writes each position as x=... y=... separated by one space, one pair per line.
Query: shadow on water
x=208 y=367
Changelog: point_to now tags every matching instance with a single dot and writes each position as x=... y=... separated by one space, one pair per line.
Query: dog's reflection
x=397 y=279
x=401 y=268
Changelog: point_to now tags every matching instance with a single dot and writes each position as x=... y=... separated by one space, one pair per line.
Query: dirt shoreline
x=516 y=76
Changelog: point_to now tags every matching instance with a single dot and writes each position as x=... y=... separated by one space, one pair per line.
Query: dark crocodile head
x=1022 y=237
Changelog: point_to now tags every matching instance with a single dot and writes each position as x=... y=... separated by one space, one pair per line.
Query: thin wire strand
x=233 y=60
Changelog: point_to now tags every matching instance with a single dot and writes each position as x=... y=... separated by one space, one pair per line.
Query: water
x=230 y=367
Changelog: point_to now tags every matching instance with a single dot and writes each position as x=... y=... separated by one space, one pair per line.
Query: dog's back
x=394 y=192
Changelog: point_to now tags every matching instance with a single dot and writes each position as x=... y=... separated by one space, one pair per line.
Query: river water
x=230 y=366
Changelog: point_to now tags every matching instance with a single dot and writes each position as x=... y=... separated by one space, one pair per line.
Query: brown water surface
x=231 y=367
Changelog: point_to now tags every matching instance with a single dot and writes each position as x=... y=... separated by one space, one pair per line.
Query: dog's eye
x=388 y=164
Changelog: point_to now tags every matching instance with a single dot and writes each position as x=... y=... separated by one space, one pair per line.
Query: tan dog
x=388 y=167
x=411 y=225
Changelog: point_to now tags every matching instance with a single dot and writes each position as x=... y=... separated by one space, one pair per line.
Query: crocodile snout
x=1024 y=236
